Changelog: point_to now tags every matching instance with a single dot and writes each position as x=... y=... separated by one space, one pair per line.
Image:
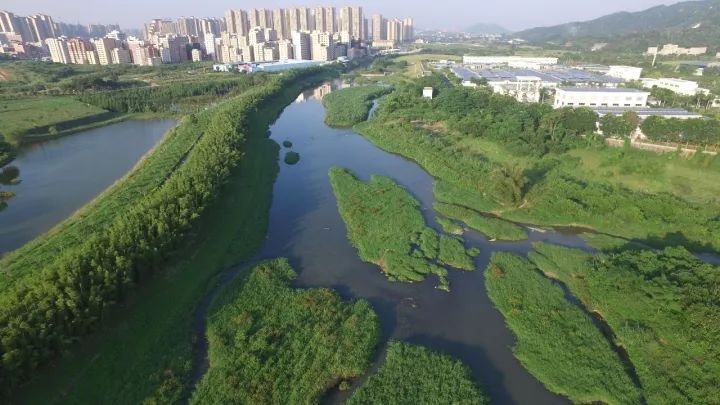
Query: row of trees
x=41 y=315
x=696 y=130
x=163 y=98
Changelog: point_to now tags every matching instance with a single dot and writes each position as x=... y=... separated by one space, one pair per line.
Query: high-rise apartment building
x=213 y=26
x=302 y=47
x=379 y=27
x=320 y=19
x=58 y=50
x=345 y=24
x=408 y=30
x=42 y=27
x=331 y=19
x=285 y=50
x=7 y=22
x=394 y=30
x=187 y=26
x=78 y=49
x=237 y=22
x=256 y=36
x=120 y=56
x=280 y=22
x=104 y=47
x=323 y=46
x=261 y=18
x=357 y=23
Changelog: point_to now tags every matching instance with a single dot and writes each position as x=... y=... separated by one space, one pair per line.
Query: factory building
x=627 y=73
x=520 y=62
x=600 y=97
x=679 y=86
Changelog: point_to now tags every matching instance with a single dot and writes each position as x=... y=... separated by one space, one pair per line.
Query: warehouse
x=600 y=97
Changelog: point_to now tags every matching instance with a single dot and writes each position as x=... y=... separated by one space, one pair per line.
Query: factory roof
x=666 y=112
x=557 y=75
x=600 y=89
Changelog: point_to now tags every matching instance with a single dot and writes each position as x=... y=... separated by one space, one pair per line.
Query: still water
x=305 y=227
x=57 y=177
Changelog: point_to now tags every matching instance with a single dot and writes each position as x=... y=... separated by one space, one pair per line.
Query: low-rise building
x=428 y=92
x=600 y=97
x=521 y=62
x=644 y=113
x=627 y=73
x=679 y=86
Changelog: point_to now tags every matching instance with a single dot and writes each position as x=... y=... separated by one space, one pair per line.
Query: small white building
x=428 y=92
x=679 y=86
x=600 y=97
x=627 y=73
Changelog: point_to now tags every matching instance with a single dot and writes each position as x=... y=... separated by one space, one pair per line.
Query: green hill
x=691 y=23
x=487 y=28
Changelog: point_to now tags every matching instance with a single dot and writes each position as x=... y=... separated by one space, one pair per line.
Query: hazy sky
x=512 y=14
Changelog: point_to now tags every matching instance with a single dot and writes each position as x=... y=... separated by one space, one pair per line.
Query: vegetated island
x=386 y=227
x=270 y=343
x=493 y=228
x=347 y=107
x=662 y=307
x=413 y=374
x=556 y=341
x=292 y=158
x=287 y=144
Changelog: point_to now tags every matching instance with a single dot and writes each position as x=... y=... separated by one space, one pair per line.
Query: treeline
x=164 y=98
x=695 y=130
x=42 y=313
x=526 y=129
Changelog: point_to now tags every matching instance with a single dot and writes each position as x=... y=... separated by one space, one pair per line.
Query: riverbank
x=232 y=227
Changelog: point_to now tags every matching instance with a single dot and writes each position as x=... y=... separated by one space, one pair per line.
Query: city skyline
x=132 y=14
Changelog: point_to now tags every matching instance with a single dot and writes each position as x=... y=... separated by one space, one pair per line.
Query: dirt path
x=4 y=75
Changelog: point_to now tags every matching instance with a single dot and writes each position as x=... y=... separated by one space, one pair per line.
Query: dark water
x=60 y=176
x=305 y=227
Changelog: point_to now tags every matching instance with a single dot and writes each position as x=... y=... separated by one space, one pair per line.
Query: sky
x=436 y=14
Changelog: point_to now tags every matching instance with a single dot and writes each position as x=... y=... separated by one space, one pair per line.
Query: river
x=59 y=176
x=305 y=226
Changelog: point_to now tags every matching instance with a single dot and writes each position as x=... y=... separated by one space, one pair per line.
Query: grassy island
x=556 y=341
x=415 y=375
x=270 y=343
x=347 y=107
x=385 y=225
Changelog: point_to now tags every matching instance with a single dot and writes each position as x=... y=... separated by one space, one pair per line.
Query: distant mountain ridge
x=690 y=21
x=486 y=28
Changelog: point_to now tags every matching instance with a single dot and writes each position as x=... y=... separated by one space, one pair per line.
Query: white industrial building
x=520 y=62
x=679 y=86
x=600 y=97
x=644 y=113
x=627 y=73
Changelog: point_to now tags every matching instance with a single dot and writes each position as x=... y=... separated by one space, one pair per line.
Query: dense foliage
x=347 y=107
x=165 y=98
x=415 y=375
x=695 y=130
x=42 y=314
x=292 y=158
x=493 y=228
x=663 y=307
x=556 y=341
x=7 y=152
x=272 y=344
x=619 y=126
x=384 y=223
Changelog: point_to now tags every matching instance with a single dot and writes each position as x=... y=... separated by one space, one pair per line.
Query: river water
x=59 y=176
x=305 y=226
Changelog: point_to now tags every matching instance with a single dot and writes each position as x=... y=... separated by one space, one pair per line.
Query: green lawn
x=45 y=115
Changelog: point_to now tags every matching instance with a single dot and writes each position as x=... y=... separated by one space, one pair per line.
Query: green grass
x=493 y=228
x=347 y=107
x=556 y=341
x=384 y=223
x=663 y=308
x=156 y=319
x=450 y=226
x=269 y=343
x=292 y=158
x=25 y=117
x=415 y=375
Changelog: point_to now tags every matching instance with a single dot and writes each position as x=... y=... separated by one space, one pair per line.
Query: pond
x=59 y=176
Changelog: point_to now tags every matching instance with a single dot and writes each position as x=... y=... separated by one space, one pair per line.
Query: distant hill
x=687 y=23
x=485 y=28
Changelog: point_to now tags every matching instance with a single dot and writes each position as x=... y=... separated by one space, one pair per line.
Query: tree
x=614 y=126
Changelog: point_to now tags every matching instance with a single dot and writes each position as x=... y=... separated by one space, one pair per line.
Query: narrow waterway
x=59 y=176
x=306 y=227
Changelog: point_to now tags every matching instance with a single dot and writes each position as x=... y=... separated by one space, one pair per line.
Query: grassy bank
x=663 y=308
x=385 y=225
x=493 y=228
x=529 y=163
x=272 y=344
x=556 y=341
x=347 y=107
x=232 y=227
x=415 y=375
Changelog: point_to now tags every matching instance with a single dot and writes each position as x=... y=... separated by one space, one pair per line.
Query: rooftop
x=600 y=90
x=677 y=112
